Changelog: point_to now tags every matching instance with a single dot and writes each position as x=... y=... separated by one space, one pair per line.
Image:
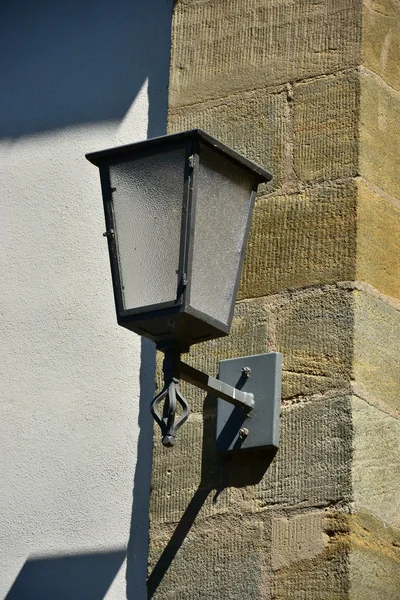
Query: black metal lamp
x=178 y=210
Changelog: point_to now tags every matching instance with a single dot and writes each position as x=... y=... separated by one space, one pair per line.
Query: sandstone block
x=326 y=127
x=227 y=47
x=381 y=39
x=373 y=575
x=325 y=579
x=255 y=124
x=376 y=361
x=302 y=239
x=297 y=538
x=374 y=558
x=326 y=233
x=379 y=134
x=314 y=334
x=222 y=557
x=316 y=442
x=360 y=559
x=311 y=328
x=317 y=564
x=375 y=470
x=378 y=241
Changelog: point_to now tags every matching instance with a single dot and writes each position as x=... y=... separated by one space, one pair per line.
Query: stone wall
x=309 y=89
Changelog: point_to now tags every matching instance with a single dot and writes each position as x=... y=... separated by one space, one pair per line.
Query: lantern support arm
x=211 y=385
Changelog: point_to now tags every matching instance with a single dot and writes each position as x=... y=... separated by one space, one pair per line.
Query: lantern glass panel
x=223 y=204
x=147 y=209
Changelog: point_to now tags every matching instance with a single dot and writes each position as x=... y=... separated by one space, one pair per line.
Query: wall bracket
x=259 y=428
x=248 y=391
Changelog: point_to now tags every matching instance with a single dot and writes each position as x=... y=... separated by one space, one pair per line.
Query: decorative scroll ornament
x=167 y=422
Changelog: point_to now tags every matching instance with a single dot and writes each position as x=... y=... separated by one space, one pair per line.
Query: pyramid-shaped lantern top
x=177 y=210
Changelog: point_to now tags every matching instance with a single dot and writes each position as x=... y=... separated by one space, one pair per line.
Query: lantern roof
x=119 y=152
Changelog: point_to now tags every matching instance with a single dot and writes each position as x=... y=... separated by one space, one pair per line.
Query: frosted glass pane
x=222 y=212
x=147 y=205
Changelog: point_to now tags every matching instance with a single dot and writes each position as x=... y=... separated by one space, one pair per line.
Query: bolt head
x=243 y=433
x=168 y=441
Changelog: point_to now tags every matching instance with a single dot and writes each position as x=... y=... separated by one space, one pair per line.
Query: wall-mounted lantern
x=178 y=210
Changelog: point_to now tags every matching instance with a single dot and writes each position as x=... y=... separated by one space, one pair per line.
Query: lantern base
x=172 y=327
x=260 y=375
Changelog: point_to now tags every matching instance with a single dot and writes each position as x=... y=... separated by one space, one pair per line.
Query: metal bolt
x=246 y=371
x=168 y=441
x=243 y=432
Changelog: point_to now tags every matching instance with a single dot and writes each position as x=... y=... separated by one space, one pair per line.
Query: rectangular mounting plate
x=262 y=422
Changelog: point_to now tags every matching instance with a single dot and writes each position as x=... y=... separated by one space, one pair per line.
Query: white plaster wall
x=70 y=380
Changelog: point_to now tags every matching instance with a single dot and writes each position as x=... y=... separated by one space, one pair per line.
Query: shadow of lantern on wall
x=178 y=210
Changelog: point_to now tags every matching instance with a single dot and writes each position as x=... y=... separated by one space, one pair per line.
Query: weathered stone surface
x=329 y=232
x=376 y=460
x=226 y=47
x=316 y=441
x=374 y=559
x=323 y=579
x=315 y=438
x=188 y=474
x=301 y=239
x=224 y=557
x=379 y=134
x=377 y=351
x=360 y=559
x=381 y=39
x=378 y=241
x=373 y=575
x=264 y=139
x=317 y=554
x=317 y=564
x=262 y=527
x=298 y=537
x=326 y=114
x=314 y=334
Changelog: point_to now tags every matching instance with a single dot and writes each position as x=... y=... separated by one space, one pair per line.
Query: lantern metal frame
x=194 y=325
